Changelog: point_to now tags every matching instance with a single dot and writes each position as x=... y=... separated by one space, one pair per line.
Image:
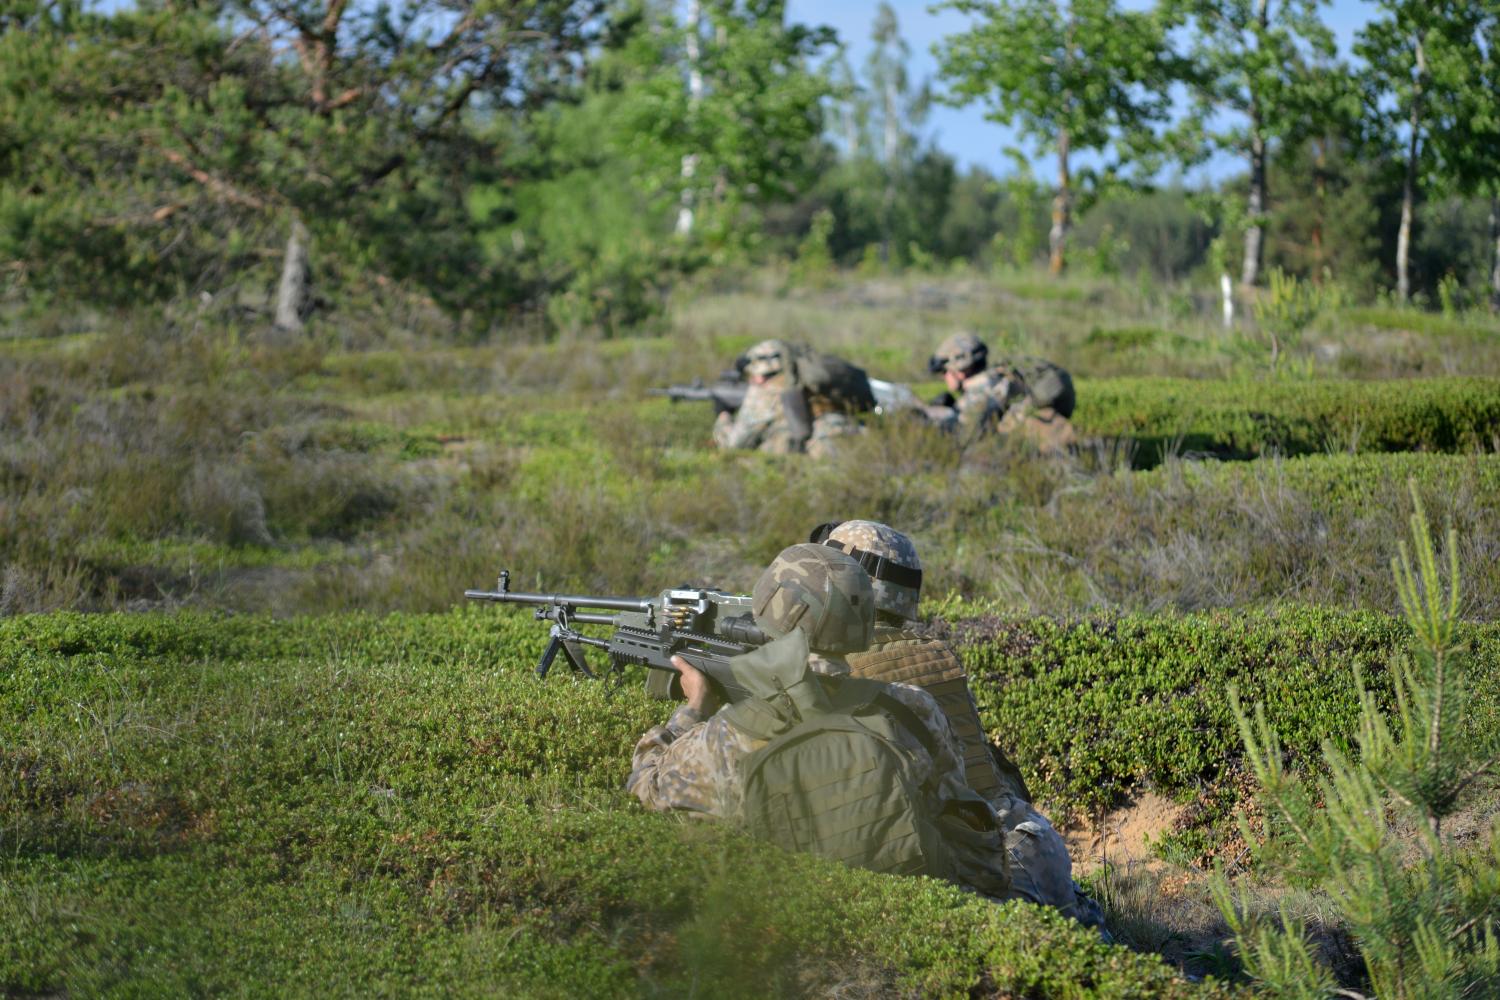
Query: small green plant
x=814 y=261
x=1288 y=308
x=1450 y=295
x=1370 y=833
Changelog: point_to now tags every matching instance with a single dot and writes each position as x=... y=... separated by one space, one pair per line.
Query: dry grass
x=308 y=475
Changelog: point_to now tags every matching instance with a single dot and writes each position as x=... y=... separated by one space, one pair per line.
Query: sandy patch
x=1124 y=835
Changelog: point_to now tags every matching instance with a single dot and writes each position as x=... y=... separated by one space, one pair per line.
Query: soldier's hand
x=696 y=686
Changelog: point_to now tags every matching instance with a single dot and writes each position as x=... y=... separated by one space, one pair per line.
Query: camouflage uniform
x=995 y=399
x=776 y=369
x=1040 y=869
x=693 y=764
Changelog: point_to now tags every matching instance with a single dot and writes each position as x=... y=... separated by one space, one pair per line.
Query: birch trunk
x=1062 y=208
x=292 y=292
x=1409 y=185
x=1255 y=204
x=1495 y=261
x=685 y=213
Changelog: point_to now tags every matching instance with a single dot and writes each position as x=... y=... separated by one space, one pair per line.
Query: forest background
x=561 y=166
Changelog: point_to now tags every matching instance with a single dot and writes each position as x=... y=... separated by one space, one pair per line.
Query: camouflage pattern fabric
x=821 y=591
x=768 y=358
x=761 y=421
x=887 y=542
x=762 y=424
x=984 y=400
x=1048 y=431
x=693 y=765
x=828 y=431
x=961 y=352
x=904 y=656
x=1040 y=868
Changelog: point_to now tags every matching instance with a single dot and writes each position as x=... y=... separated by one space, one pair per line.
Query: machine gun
x=705 y=627
x=727 y=393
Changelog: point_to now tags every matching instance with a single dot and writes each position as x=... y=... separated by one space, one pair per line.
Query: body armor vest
x=904 y=656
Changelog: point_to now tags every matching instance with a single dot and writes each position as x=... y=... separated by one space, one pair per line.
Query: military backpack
x=840 y=784
x=1047 y=384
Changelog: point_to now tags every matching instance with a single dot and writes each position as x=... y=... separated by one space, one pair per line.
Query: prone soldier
x=886 y=749
x=1005 y=399
x=797 y=401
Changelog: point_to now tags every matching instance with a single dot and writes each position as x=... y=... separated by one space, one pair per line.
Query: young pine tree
x=1369 y=835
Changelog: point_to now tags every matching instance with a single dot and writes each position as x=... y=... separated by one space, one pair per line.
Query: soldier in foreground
x=1040 y=868
x=982 y=399
x=774 y=761
x=797 y=401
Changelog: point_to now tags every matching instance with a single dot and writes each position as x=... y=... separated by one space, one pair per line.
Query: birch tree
x=1069 y=75
x=1261 y=68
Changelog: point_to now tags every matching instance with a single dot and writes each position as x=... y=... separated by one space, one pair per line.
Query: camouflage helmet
x=962 y=353
x=768 y=358
x=887 y=555
x=821 y=591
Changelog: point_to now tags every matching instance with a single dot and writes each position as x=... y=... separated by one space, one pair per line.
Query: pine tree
x=1424 y=929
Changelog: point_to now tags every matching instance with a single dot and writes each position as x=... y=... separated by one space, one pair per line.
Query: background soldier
x=1040 y=868
x=982 y=398
x=798 y=400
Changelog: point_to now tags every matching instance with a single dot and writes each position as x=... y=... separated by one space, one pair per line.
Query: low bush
x=1244 y=419
x=1097 y=707
x=349 y=805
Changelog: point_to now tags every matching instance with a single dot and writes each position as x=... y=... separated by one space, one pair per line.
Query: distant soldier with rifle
x=1033 y=399
x=797 y=400
x=1040 y=869
x=727 y=392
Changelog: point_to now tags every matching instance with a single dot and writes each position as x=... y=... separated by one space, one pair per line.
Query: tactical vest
x=904 y=656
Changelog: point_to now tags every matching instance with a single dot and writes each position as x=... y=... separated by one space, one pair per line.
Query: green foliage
x=357 y=804
x=814 y=262
x=1288 y=307
x=1093 y=708
x=168 y=150
x=1243 y=419
x=1423 y=928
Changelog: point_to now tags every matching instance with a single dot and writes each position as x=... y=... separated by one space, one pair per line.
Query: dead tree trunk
x=292 y=293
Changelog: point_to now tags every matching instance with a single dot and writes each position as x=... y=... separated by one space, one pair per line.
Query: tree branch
x=221 y=188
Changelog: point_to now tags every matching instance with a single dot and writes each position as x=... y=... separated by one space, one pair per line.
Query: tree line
x=565 y=161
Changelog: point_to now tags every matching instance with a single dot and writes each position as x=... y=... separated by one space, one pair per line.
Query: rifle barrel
x=564 y=600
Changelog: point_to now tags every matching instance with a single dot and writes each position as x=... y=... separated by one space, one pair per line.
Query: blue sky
x=963 y=132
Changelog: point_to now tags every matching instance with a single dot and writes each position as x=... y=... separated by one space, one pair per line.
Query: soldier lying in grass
x=797 y=401
x=1040 y=868
x=1002 y=399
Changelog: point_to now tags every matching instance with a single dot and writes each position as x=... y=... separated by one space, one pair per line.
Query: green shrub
x=348 y=805
x=1243 y=419
x=1094 y=708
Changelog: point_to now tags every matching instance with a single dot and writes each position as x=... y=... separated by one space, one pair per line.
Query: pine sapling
x=1424 y=928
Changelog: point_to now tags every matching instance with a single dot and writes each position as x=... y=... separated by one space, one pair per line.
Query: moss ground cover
x=349 y=804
